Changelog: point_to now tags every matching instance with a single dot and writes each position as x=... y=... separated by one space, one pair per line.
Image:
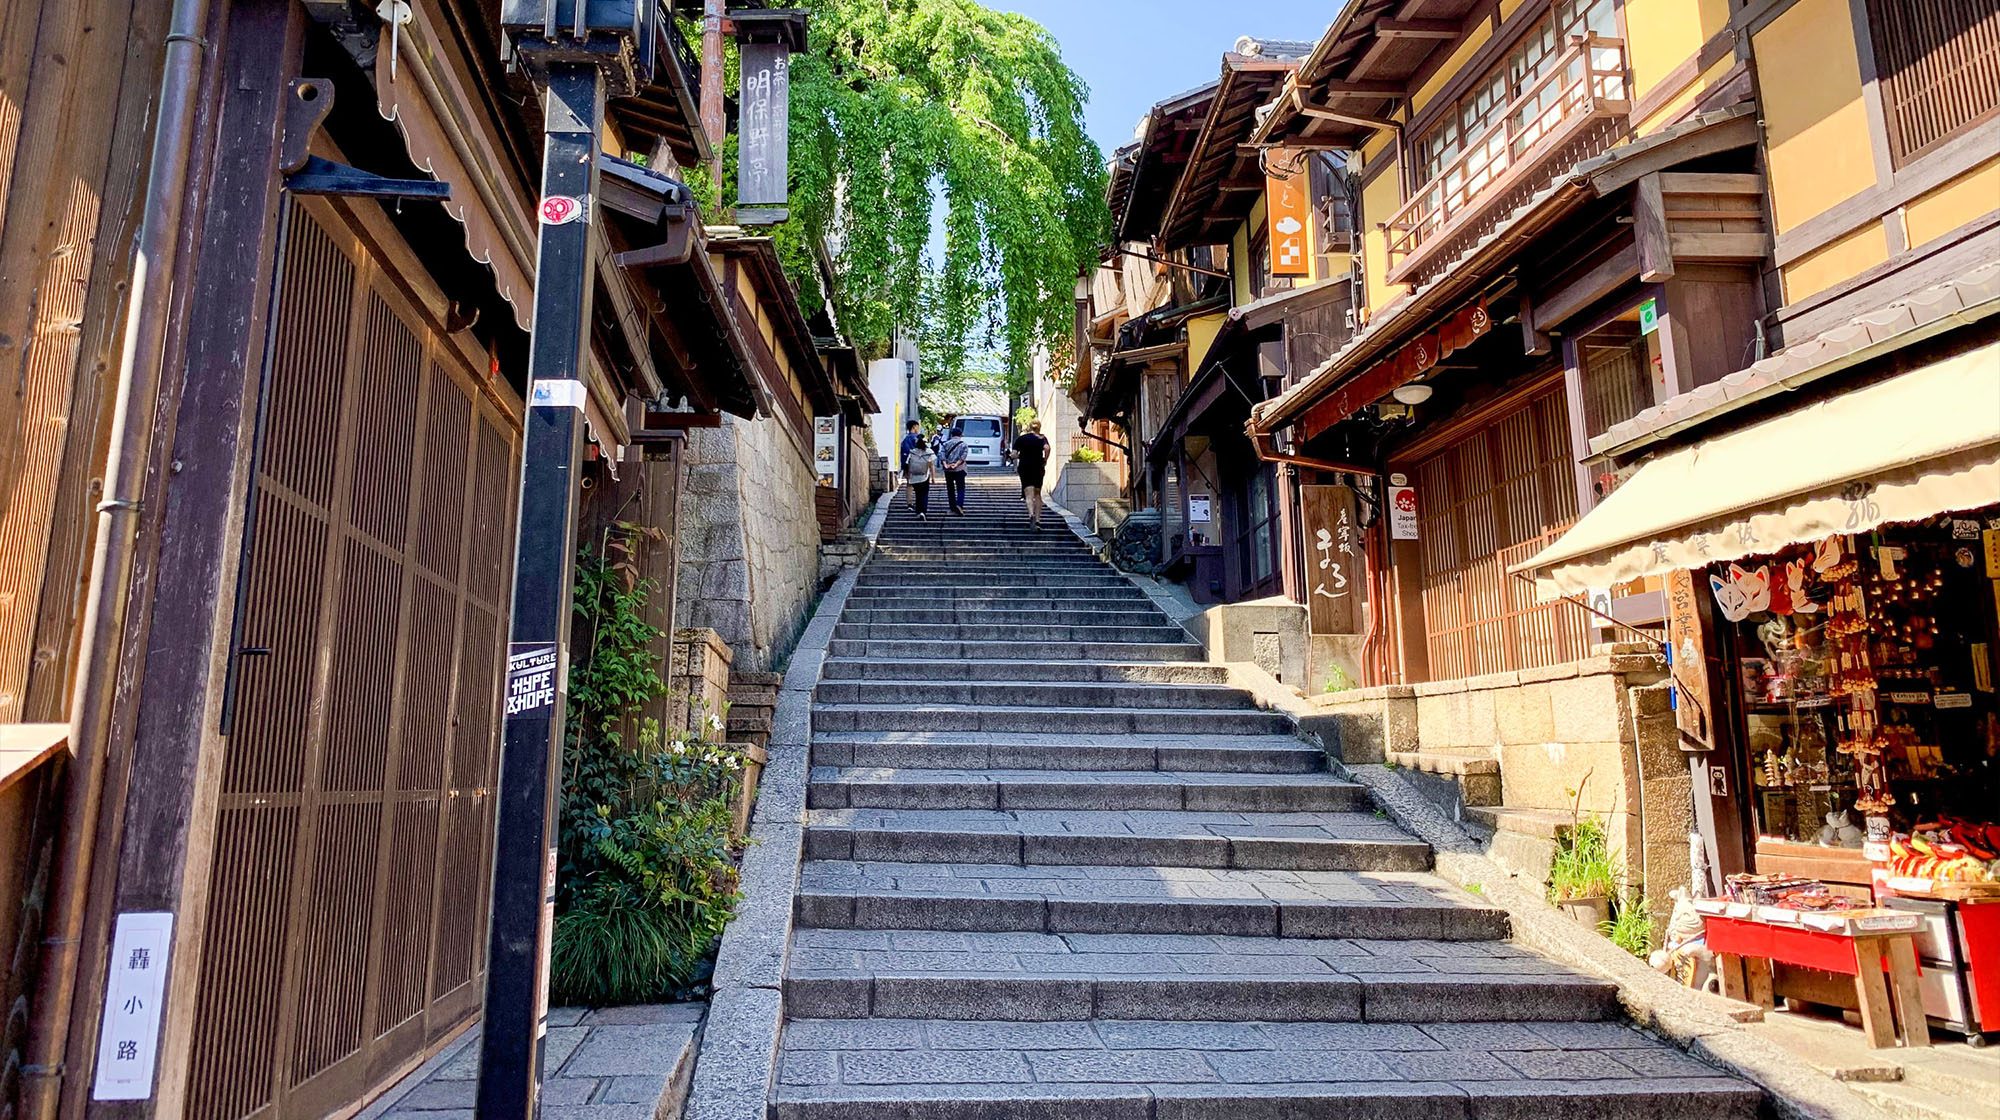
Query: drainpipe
x=139 y=370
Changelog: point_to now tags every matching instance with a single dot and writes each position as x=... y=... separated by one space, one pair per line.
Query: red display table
x=1873 y=946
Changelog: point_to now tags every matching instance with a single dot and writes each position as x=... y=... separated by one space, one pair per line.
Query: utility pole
x=713 y=112
x=577 y=53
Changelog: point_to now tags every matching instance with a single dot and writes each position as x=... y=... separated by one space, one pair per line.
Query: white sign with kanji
x=128 y=1047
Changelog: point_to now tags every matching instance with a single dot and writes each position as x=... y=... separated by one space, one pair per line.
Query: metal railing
x=1586 y=83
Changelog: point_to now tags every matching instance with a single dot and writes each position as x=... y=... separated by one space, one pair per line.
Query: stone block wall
x=749 y=539
x=698 y=674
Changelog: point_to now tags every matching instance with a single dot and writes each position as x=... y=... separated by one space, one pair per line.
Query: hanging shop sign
x=1333 y=559
x=1689 y=643
x=826 y=449
x=1289 y=213
x=1402 y=513
x=1464 y=327
x=1201 y=509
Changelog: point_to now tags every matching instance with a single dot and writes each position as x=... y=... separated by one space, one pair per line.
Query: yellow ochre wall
x=1971 y=195
x=1201 y=332
x=1660 y=36
x=1815 y=121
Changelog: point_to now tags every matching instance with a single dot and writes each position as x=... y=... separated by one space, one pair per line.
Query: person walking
x=952 y=457
x=1031 y=459
x=913 y=438
x=919 y=468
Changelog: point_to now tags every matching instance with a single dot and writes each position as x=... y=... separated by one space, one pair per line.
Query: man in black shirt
x=1031 y=458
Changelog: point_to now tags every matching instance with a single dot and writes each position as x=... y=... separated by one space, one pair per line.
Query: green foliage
x=1337 y=680
x=646 y=878
x=1024 y=416
x=1631 y=927
x=898 y=97
x=1086 y=455
x=1582 y=864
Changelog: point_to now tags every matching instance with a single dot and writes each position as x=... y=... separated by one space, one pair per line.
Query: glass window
x=1623 y=372
x=979 y=427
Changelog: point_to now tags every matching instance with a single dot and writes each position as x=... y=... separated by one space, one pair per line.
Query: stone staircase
x=1055 y=867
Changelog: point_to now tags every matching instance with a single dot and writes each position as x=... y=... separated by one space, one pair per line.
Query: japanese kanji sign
x=765 y=97
x=128 y=1046
x=1290 y=213
x=1335 y=565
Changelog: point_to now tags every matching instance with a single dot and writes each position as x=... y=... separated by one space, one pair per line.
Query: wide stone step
x=874 y=787
x=1040 y=694
x=1047 y=719
x=1040 y=977
x=1240 y=754
x=951 y=632
x=1082 y=612
x=1012 y=650
x=1068 y=672
x=992 y=898
x=969 y=582
x=1115 y=838
x=990 y=598
x=935 y=1068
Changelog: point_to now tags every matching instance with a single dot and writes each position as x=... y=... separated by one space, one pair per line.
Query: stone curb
x=1707 y=1027
x=738 y=1050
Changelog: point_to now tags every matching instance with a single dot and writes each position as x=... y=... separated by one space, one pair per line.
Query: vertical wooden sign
x=1289 y=214
x=1694 y=701
x=1335 y=565
x=763 y=157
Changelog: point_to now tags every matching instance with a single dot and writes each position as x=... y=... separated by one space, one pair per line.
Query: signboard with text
x=1402 y=513
x=1335 y=564
x=826 y=449
x=1290 y=213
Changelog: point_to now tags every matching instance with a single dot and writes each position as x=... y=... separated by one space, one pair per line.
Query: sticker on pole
x=556 y=392
x=562 y=209
x=531 y=677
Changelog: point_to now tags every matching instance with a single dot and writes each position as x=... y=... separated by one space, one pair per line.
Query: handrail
x=1584 y=92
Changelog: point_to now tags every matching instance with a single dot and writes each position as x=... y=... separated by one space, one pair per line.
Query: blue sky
x=1136 y=52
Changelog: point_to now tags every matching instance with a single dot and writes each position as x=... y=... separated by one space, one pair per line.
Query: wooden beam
x=1649 y=229
x=1436 y=29
x=1324 y=113
x=1375 y=88
x=1718 y=246
x=1710 y=182
x=1587 y=289
x=1532 y=340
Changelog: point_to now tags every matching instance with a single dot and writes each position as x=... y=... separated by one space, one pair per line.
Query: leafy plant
x=1582 y=865
x=1337 y=680
x=1631 y=926
x=1086 y=455
x=646 y=878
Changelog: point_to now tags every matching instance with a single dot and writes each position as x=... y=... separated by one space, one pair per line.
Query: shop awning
x=1910 y=447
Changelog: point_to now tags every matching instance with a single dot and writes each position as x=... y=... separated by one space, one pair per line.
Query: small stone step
x=1113 y=838
x=1392 y=905
x=1066 y=672
x=1185 y=650
x=1078 y=721
x=1041 y=694
x=892 y=788
x=1454 y=780
x=1246 y=754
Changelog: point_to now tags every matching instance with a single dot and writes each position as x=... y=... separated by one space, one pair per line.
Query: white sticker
x=1402 y=513
x=128 y=1046
x=565 y=392
x=531 y=677
x=562 y=209
x=1953 y=700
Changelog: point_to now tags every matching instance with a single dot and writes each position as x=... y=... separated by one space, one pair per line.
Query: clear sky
x=1137 y=52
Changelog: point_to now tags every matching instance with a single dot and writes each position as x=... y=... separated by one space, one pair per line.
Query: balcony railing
x=1586 y=84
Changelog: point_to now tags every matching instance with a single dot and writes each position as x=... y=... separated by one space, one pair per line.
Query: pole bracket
x=325 y=177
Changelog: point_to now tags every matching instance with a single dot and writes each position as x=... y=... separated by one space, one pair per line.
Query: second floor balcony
x=1570 y=113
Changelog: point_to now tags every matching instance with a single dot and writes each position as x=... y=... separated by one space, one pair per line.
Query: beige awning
x=1911 y=447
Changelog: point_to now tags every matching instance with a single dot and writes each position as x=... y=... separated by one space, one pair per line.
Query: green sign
x=1649 y=316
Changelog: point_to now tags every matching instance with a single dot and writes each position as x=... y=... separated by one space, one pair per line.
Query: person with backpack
x=952 y=457
x=912 y=439
x=1031 y=459
x=919 y=468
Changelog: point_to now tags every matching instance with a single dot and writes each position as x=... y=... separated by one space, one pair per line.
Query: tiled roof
x=1974 y=295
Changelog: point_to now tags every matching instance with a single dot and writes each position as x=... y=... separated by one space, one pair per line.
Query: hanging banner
x=1289 y=213
x=764 y=135
x=826 y=449
x=1688 y=643
x=1334 y=562
x=1461 y=329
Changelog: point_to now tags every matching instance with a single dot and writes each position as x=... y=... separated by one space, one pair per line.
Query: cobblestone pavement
x=1056 y=867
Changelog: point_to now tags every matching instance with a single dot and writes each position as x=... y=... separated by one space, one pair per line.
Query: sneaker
x=922 y=517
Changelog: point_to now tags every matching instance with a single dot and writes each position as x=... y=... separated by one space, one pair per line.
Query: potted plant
x=1581 y=877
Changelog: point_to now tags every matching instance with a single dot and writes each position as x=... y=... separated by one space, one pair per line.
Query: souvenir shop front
x=1833 y=579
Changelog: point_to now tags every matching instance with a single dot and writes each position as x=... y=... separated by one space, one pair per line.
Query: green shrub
x=1582 y=865
x=1086 y=455
x=1630 y=927
x=646 y=876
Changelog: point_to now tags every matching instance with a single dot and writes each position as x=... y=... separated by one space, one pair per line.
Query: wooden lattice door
x=348 y=894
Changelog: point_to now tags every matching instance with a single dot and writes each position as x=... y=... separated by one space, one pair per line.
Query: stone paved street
x=1056 y=866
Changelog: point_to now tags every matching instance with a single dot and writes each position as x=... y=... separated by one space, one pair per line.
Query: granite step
x=991 y=598
x=1389 y=905
x=1035 y=694
x=936 y=1068
x=864 y=787
x=1048 y=719
x=1082 y=612
x=1047 y=632
x=1055 y=751
x=1068 y=672
x=1184 y=650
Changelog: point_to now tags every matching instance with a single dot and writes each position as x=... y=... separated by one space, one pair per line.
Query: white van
x=983 y=441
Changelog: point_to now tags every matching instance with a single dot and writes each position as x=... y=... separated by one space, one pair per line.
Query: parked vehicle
x=984 y=438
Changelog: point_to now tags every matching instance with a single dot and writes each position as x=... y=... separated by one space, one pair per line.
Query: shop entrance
x=348 y=892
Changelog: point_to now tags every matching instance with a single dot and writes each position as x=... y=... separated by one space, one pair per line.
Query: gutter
x=140 y=365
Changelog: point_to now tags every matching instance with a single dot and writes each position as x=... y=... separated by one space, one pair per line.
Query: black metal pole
x=524 y=851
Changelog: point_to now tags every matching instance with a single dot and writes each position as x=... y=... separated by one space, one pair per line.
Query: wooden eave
x=1207 y=205
x=1350 y=86
x=760 y=256
x=1171 y=131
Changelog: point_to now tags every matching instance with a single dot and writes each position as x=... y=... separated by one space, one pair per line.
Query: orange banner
x=1290 y=212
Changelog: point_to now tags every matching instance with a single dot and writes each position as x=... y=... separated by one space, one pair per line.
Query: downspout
x=139 y=371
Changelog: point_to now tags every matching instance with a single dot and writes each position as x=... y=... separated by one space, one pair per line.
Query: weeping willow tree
x=903 y=110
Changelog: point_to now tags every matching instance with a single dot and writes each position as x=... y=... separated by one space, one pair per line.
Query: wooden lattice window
x=1938 y=62
x=1488 y=502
